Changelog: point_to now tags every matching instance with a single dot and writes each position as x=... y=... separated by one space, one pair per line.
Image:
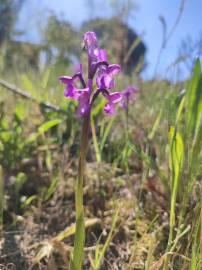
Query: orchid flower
x=81 y=90
x=104 y=73
x=128 y=94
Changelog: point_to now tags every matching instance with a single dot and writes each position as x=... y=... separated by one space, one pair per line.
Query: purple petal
x=107 y=82
x=105 y=76
x=91 y=43
x=128 y=91
x=104 y=79
x=84 y=104
x=123 y=104
x=66 y=79
x=98 y=81
x=109 y=108
x=100 y=74
x=128 y=94
x=83 y=90
x=90 y=39
x=71 y=92
x=115 y=97
x=113 y=69
x=100 y=54
x=112 y=98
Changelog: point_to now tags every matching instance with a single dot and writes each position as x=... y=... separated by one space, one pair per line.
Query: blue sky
x=144 y=20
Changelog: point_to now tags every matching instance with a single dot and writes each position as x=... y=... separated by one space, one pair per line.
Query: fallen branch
x=24 y=94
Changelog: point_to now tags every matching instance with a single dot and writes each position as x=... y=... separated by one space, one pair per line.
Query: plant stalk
x=79 y=240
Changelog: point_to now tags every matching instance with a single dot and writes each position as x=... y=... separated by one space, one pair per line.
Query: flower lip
x=112 y=98
x=109 y=108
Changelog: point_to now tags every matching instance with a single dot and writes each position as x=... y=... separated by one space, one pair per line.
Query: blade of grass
x=101 y=252
x=106 y=133
x=176 y=159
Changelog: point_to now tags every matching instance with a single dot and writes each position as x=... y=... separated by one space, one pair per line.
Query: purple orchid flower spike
x=128 y=95
x=98 y=67
x=82 y=91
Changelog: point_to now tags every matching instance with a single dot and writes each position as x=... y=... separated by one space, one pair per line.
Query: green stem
x=79 y=240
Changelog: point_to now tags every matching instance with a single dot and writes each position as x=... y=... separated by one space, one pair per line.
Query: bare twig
x=24 y=94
